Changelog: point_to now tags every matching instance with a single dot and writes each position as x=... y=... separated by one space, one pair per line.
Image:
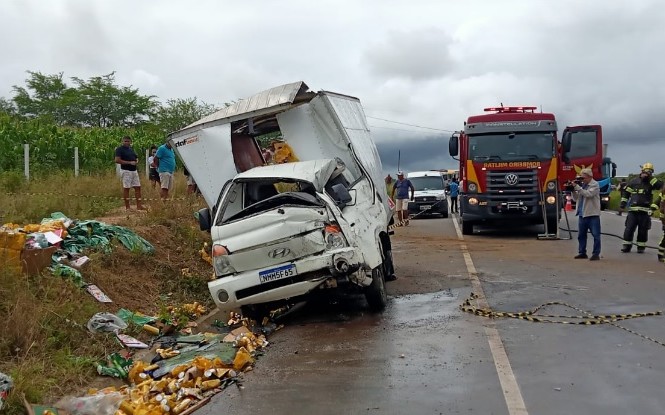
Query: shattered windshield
x=511 y=146
x=248 y=198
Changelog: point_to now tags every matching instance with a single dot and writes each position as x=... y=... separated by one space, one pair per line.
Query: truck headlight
x=551 y=186
x=473 y=201
x=441 y=197
x=551 y=199
x=333 y=237
x=473 y=187
x=220 y=261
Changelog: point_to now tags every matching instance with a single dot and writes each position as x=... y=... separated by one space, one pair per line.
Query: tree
x=7 y=106
x=44 y=96
x=97 y=102
x=179 y=113
x=102 y=103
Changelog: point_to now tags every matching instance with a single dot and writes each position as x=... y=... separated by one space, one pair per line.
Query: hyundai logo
x=512 y=179
x=279 y=253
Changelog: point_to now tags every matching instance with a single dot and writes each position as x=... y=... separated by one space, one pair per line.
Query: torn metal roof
x=266 y=102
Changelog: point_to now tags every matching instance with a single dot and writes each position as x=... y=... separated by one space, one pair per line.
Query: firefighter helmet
x=647 y=167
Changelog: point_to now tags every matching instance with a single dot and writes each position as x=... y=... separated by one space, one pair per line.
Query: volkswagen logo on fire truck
x=511 y=179
x=279 y=253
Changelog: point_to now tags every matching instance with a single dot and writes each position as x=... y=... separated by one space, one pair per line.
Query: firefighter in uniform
x=661 y=245
x=640 y=192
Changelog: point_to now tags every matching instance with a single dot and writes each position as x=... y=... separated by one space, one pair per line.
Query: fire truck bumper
x=475 y=209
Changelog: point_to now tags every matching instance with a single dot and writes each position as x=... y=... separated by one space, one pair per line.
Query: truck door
x=581 y=147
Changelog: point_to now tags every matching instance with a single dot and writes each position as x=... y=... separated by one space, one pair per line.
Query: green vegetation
x=44 y=345
x=93 y=115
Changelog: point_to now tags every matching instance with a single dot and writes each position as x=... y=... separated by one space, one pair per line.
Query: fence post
x=26 y=161
x=147 y=165
x=76 y=162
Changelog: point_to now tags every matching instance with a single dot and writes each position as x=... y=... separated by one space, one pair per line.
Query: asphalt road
x=424 y=356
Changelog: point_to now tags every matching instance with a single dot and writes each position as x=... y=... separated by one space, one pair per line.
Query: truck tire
x=467 y=227
x=552 y=225
x=376 y=294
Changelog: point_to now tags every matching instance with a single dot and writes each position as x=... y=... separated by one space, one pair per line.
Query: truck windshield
x=511 y=146
x=249 y=198
x=427 y=183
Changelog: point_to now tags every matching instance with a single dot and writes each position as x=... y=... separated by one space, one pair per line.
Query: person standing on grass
x=153 y=175
x=165 y=162
x=127 y=159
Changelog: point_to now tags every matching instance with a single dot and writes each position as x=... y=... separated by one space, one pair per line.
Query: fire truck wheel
x=467 y=228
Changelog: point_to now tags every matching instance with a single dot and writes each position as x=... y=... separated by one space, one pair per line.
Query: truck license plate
x=425 y=207
x=278 y=273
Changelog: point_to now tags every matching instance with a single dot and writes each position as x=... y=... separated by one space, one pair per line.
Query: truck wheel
x=467 y=228
x=552 y=225
x=376 y=295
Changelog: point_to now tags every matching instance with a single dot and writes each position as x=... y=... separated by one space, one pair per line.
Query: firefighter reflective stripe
x=641 y=244
x=653 y=181
x=639 y=209
x=629 y=189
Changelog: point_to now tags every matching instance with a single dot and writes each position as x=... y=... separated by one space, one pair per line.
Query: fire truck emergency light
x=511 y=109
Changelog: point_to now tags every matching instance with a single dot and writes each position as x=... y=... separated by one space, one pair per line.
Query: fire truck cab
x=508 y=162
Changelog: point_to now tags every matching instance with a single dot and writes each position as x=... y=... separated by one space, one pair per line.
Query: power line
x=401 y=129
x=411 y=125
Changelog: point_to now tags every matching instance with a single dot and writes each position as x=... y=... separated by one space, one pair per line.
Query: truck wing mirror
x=614 y=170
x=205 y=220
x=566 y=145
x=453 y=146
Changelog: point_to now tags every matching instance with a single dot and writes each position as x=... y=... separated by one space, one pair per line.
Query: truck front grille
x=510 y=186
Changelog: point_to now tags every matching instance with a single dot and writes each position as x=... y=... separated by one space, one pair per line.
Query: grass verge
x=44 y=345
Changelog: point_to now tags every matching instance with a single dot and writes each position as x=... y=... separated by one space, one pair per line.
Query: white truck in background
x=281 y=231
x=429 y=193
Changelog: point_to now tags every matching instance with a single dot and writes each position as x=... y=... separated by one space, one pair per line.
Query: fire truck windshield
x=512 y=146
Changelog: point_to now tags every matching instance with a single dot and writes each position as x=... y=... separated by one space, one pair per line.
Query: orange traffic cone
x=569 y=204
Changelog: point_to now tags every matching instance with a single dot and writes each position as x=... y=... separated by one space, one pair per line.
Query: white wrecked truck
x=316 y=218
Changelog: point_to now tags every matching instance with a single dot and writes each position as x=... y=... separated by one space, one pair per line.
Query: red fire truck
x=509 y=164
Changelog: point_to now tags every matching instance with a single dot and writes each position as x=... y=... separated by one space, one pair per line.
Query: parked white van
x=430 y=193
x=281 y=231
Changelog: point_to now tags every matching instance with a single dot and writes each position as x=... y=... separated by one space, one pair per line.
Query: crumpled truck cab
x=310 y=216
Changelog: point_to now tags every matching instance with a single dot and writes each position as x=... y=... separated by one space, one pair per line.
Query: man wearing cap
x=587 y=197
x=639 y=192
x=401 y=188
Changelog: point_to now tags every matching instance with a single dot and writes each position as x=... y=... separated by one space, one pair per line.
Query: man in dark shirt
x=127 y=159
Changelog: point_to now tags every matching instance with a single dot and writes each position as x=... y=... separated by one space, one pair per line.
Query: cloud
x=416 y=55
x=434 y=64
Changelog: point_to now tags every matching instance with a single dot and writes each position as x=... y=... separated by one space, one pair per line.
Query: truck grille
x=509 y=186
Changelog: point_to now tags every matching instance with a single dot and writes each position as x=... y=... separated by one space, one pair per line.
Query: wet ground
x=424 y=356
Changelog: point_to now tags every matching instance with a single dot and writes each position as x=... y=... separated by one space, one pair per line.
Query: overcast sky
x=429 y=63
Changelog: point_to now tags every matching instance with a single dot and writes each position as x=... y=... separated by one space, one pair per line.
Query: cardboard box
x=34 y=261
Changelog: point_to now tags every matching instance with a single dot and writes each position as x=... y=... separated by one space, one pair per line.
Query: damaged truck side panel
x=279 y=231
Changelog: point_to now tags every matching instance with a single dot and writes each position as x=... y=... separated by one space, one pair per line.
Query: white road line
x=509 y=386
